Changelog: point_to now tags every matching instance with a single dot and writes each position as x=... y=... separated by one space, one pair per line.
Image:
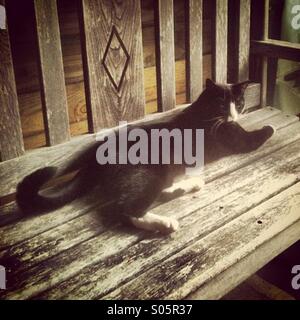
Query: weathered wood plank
x=128 y=259
x=264 y=60
x=165 y=54
x=192 y=267
x=194 y=49
x=12 y=171
x=113 y=61
x=11 y=141
x=91 y=250
x=53 y=90
x=252 y=96
x=220 y=35
x=248 y=265
x=240 y=50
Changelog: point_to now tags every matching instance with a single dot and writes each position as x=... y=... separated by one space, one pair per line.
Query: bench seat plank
x=98 y=249
x=186 y=271
x=86 y=226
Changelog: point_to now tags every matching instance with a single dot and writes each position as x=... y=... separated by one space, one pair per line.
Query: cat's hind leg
x=154 y=222
x=135 y=191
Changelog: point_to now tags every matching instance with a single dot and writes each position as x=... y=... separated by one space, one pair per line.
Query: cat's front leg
x=238 y=140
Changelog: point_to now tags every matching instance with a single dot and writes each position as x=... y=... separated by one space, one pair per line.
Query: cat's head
x=225 y=100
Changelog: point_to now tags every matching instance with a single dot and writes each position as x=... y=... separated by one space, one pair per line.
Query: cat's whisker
x=216 y=126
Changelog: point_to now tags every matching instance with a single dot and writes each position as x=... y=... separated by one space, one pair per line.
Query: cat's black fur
x=135 y=187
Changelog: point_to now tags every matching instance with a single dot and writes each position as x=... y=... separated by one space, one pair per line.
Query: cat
x=134 y=188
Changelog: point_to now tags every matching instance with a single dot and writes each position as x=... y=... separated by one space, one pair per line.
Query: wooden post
x=165 y=54
x=239 y=18
x=220 y=20
x=194 y=50
x=11 y=139
x=54 y=98
x=264 y=75
x=113 y=61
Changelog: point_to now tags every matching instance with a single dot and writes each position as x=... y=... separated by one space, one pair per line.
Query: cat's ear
x=239 y=88
x=209 y=84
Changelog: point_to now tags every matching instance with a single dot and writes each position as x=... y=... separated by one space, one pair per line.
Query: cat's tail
x=29 y=200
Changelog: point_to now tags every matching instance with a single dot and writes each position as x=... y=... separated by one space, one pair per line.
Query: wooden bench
x=247 y=213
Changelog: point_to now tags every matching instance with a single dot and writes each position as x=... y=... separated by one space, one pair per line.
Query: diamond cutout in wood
x=116 y=59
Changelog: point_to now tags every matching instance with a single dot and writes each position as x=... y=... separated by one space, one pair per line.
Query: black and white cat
x=134 y=188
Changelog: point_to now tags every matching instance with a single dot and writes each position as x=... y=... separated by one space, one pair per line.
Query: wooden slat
x=95 y=249
x=240 y=51
x=220 y=35
x=54 y=99
x=208 y=257
x=165 y=54
x=113 y=61
x=276 y=49
x=11 y=140
x=252 y=96
x=194 y=49
x=264 y=61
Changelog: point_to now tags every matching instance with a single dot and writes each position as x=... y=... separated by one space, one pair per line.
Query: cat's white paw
x=167 y=225
x=154 y=222
x=194 y=184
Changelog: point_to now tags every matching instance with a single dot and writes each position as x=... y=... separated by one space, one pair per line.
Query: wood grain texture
x=165 y=54
x=248 y=265
x=239 y=28
x=200 y=262
x=194 y=49
x=112 y=38
x=264 y=59
x=94 y=250
x=11 y=140
x=252 y=95
x=53 y=93
x=220 y=34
